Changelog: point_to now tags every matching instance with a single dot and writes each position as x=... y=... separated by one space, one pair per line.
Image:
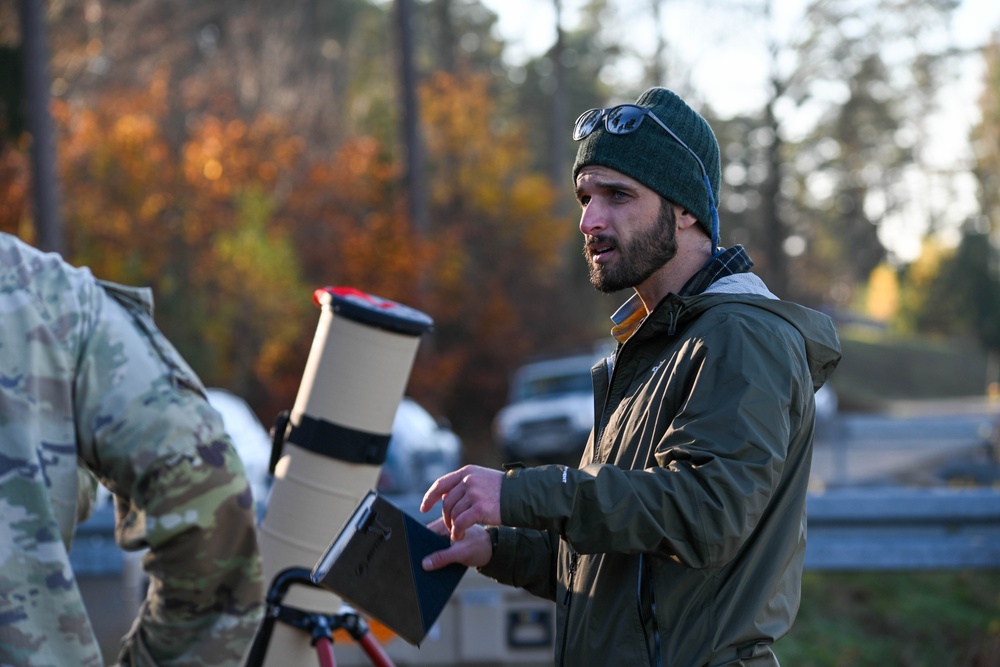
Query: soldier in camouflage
x=88 y=384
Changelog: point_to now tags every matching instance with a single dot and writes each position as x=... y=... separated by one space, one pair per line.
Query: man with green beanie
x=679 y=541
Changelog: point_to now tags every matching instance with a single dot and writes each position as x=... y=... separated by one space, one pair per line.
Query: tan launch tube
x=339 y=427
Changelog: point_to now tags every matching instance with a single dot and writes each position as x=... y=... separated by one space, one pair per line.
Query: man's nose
x=592 y=220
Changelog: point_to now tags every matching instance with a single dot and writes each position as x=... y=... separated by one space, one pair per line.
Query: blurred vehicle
x=421 y=449
x=550 y=410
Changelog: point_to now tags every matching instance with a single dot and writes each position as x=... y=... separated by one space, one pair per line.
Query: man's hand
x=469 y=496
x=475 y=550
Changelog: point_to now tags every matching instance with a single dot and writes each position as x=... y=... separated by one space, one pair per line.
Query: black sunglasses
x=625 y=119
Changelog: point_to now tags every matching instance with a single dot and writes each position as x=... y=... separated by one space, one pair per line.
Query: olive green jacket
x=680 y=540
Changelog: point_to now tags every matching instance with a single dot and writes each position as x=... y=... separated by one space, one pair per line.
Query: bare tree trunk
x=411 y=119
x=48 y=225
x=657 y=69
x=775 y=229
x=560 y=122
x=446 y=36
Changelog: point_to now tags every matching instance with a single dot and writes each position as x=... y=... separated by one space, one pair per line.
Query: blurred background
x=234 y=155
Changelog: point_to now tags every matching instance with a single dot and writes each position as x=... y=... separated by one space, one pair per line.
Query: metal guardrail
x=888 y=528
x=904 y=529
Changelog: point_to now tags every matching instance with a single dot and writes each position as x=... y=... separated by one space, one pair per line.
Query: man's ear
x=684 y=218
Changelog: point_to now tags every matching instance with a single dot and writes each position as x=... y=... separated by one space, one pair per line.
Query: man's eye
x=584 y=200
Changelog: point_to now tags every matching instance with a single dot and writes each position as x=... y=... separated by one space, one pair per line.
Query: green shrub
x=896 y=619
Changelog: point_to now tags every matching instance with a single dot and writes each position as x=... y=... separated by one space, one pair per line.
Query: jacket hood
x=817 y=329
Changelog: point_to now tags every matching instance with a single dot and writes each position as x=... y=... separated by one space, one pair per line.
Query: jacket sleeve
x=714 y=434
x=148 y=432
x=525 y=558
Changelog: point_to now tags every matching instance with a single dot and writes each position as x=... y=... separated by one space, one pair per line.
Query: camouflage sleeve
x=43 y=619
x=148 y=432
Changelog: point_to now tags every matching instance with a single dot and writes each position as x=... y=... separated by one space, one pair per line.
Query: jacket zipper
x=654 y=657
x=574 y=557
x=598 y=434
x=599 y=418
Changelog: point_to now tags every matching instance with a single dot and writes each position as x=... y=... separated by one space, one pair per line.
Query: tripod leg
x=374 y=651
x=324 y=651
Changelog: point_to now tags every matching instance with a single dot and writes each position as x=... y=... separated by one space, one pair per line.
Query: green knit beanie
x=655 y=159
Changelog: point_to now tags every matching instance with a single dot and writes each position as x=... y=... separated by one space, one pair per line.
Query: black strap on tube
x=339 y=442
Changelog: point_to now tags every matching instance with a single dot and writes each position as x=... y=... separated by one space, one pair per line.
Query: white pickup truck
x=550 y=410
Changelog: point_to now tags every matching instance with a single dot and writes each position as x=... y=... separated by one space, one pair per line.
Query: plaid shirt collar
x=727 y=263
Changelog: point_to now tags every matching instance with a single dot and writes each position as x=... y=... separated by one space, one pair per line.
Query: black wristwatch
x=512 y=470
x=494 y=533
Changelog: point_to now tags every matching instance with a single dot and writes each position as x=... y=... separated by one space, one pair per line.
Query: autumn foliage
x=236 y=223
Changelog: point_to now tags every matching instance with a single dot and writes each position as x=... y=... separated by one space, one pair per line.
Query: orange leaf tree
x=500 y=244
x=492 y=256
x=234 y=228
x=196 y=222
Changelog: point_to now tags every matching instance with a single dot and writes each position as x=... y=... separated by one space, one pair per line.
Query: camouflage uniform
x=88 y=382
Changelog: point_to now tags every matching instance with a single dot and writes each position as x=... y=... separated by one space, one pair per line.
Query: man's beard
x=639 y=258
